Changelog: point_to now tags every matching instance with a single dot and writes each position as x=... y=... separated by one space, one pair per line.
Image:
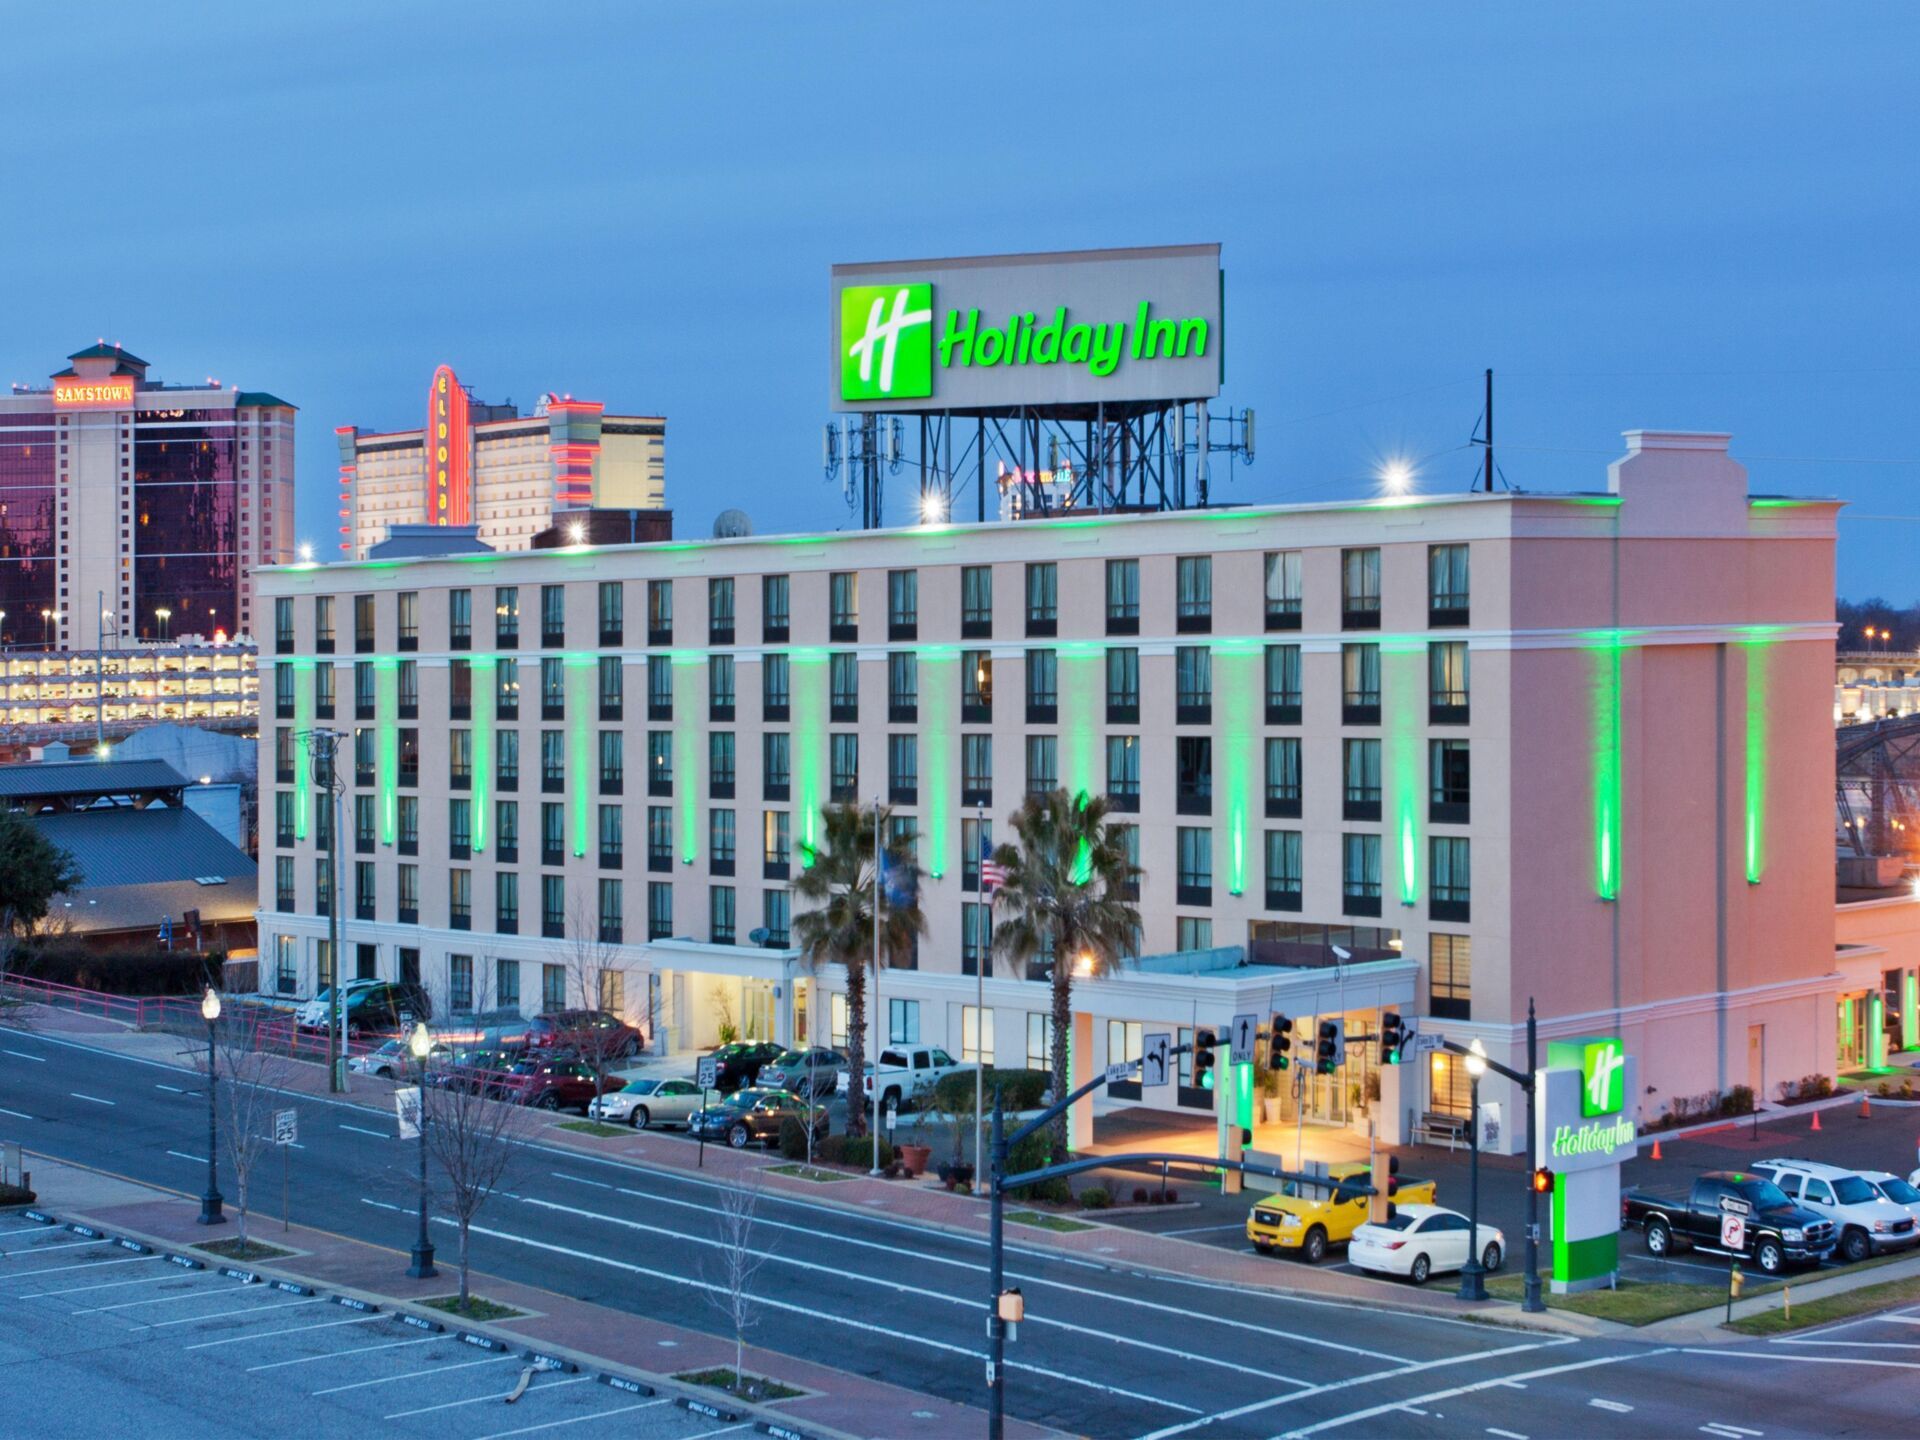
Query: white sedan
x=1420 y=1240
x=649 y=1101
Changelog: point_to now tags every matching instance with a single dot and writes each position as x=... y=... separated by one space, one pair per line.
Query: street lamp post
x=210 y=1202
x=1473 y=1282
x=421 y=1044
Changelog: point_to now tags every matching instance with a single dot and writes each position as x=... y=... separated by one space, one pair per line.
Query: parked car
x=395 y=1059
x=1901 y=1192
x=649 y=1100
x=1869 y=1223
x=1779 y=1232
x=1309 y=1219
x=740 y=1064
x=755 y=1114
x=1420 y=1240
x=791 y=1070
x=369 y=1007
x=478 y=1069
x=585 y=1032
x=550 y=1084
x=313 y=1014
x=907 y=1076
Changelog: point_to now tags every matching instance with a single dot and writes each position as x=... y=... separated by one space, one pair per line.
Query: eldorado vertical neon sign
x=449 y=443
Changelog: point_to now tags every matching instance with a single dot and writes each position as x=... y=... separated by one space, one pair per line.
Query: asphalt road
x=1102 y=1352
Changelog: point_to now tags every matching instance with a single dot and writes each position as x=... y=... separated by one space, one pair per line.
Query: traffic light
x=1203 y=1043
x=1543 y=1181
x=1380 y=1208
x=1331 y=1051
x=1279 y=1041
x=1393 y=1035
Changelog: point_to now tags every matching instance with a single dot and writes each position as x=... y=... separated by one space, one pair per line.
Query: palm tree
x=836 y=884
x=1068 y=879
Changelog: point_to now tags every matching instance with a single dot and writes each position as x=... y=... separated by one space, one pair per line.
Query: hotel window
x=976 y=687
x=506 y=616
x=553 y=833
x=721 y=907
x=903 y=769
x=843 y=605
x=976 y=602
x=903 y=687
x=1360 y=684
x=1192 y=932
x=976 y=770
x=720 y=618
x=660 y=838
x=283 y=691
x=1043 y=598
x=843 y=685
x=845 y=751
x=1193 y=587
x=1450 y=782
x=323 y=624
x=506 y=984
x=364 y=890
x=1360 y=767
x=659 y=687
x=506 y=831
x=1043 y=764
x=460 y=899
x=613 y=762
x=408 y=820
x=409 y=894
x=659 y=910
x=506 y=689
x=506 y=760
x=1125 y=1042
x=1193 y=772
x=776 y=843
x=660 y=762
x=553 y=988
x=459 y=619
x=1123 y=597
x=1449 y=977
x=409 y=776
x=612 y=929
x=553 y=616
x=460 y=982
x=613 y=697
x=720 y=765
x=1283 y=870
x=976 y=1035
x=776 y=765
x=283 y=819
x=1360 y=874
x=553 y=906
x=613 y=612
x=976 y=957
x=553 y=688
x=283 y=883
x=1123 y=686
x=903 y=604
x=1039 y=1041
x=409 y=619
x=1447 y=687
x=409 y=688
x=779 y=919
x=1283 y=590
x=1283 y=684
x=1043 y=687
x=659 y=612
x=1123 y=773
x=903 y=1022
x=283 y=626
x=1193 y=684
x=1360 y=589
x=1451 y=873
x=776 y=688
x=1447 y=599
x=720 y=841
x=363 y=624
x=460 y=759
x=459 y=689
x=1195 y=886
x=775 y=608
x=720 y=697
x=553 y=761
x=976 y=838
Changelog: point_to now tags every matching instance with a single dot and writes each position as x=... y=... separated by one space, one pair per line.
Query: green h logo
x=886 y=338
x=1603 y=1070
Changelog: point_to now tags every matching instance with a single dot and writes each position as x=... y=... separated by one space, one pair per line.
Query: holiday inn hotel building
x=1437 y=754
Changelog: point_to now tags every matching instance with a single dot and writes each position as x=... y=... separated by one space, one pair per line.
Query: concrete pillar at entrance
x=1391 y=1114
x=1079 y=1071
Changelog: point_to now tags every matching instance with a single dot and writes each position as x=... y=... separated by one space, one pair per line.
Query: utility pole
x=874 y=1025
x=327 y=742
x=1489 y=481
x=1530 y=1295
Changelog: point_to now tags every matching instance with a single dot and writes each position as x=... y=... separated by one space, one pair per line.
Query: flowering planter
x=956 y=1176
x=915 y=1157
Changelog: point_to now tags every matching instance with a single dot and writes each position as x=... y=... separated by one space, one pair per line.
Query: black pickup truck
x=1779 y=1233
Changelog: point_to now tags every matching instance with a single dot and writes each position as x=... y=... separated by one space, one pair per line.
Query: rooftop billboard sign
x=1000 y=332
x=92 y=392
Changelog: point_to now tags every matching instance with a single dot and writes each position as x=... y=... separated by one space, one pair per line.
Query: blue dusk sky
x=1641 y=215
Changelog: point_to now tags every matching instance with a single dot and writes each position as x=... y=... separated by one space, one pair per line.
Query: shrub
x=119 y=972
x=793 y=1138
x=16 y=1195
x=1095 y=1197
x=832 y=1150
x=1139 y=1194
x=1172 y=1196
x=858 y=1152
x=1738 y=1101
x=1020 y=1089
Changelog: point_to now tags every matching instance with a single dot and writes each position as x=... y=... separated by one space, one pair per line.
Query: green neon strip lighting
x=1243 y=1094
x=386 y=698
x=302 y=754
x=1910 y=1013
x=1082 y=711
x=1403 y=678
x=940 y=756
x=583 y=756
x=1876 y=1029
x=1239 y=679
x=1846 y=1029
x=809 y=745
x=1606 y=771
x=1756 y=653
x=481 y=688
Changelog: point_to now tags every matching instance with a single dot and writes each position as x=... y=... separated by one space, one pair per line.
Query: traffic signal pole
x=1531 y=1300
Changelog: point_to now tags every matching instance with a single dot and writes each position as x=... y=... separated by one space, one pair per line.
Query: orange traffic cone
x=1866 y=1110
x=1816 y=1120
x=1656 y=1147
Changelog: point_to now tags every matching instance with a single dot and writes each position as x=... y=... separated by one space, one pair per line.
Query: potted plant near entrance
x=954 y=1102
x=1270 y=1097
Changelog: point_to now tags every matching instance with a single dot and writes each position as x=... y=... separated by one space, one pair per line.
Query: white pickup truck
x=908 y=1075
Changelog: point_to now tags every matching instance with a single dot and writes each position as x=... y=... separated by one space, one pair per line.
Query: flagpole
x=980 y=1021
x=874 y=1025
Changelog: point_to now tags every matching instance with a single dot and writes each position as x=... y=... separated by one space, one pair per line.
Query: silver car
x=789 y=1071
x=648 y=1101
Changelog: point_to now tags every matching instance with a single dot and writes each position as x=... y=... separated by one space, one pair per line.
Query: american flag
x=992 y=874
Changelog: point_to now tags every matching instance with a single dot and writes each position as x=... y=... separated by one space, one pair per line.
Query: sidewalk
x=1704 y=1327
x=832 y=1403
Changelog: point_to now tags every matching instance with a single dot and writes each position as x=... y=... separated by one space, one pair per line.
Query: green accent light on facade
x=1910 y=1013
x=808 y=746
x=1404 y=681
x=1876 y=1029
x=939 y=702
x=386 y=711
x=1606 y=770
x=1082 y=709
x=482 y=691
x=1845 y=1046
x=1240 y=684
x=1756 y=797
x=1243 y=1094
x=302 y=755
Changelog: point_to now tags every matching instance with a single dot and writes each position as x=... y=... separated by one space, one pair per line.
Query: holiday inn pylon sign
x=1028 y=330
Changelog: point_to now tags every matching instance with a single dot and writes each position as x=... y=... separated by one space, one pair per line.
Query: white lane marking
x=1367 y=1379
x=1901 y=1319
x=243 y=1310
x=1505 y=1434
x=183 y=1155
x=343 y=1354
x=94 y=1098
x=1728 y=1432
x=381 y=1205
x=362 y=1130
x=582 y=1180
x=1614 y=1405
x=403 y=1375
x=1496 y=1384
x=1856 y=1344
x=22 y=1055
x=1805 y=1359
x=77 y=1265
x=174 y=1088
x=16 y=1114
x=1104 y=1297
x=826 y=1315
x=493 y=1398
x=290 y=1330
x=104 y=1285
x=42 y=1249
x=966 y=1302
x=622 y=1410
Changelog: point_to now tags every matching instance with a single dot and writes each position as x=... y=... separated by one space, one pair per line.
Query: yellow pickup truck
x=1309 y=1218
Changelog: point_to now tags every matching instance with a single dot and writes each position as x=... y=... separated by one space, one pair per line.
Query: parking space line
x=342 y=1354
x=362 y=1130
x=22 y=1055
x=63 y=1245
x=198 y=1294
x=80 y=1265
x=494 y=1396
x=16 y=1114
x=409 y=1374
x=95 y=1099
x=103 y=1285
x=244 y=1310
x=290 y=1330
x=182 y=1155
x=603 y=1415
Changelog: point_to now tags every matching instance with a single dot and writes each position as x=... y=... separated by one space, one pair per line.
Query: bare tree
x=473 y=1142
x=737 y=1207
x=596 y=975
x=253 y=1076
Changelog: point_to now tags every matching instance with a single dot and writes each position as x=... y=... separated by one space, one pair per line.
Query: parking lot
x=154 y=1343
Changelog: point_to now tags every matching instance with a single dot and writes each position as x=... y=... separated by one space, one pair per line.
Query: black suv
x=737 y=1065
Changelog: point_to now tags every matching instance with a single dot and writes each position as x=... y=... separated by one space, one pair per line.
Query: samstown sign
x=1003 y=331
